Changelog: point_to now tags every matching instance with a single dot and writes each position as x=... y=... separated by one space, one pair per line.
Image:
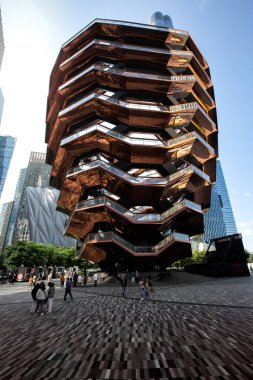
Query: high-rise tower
x=7 y=145
x=132 y=138
x=1 y=60
x=219 y=220
x=36 y=174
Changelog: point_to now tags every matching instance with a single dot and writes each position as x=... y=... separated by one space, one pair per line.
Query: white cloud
x=247 y=194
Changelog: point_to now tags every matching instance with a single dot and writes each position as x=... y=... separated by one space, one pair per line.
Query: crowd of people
x=43 y=298
x=78 y=279
x=144 y=283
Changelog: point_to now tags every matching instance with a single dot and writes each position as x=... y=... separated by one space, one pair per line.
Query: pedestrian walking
x=142 y=288
x=95 y=279
x=85 y=281
x=123 y=282
x=68 y=289
x=146 y=289
x=136 y=276
x=41 y=296
x=75 y=278
x=150 y=285
x=34 y=280
x=33 y=293
x=79 y=280
x=65 y=279
x=51 y=295
x=49 y=277
x=30 y=282
x=62 y=279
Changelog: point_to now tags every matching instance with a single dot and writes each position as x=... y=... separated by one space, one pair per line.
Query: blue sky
x=34 y=31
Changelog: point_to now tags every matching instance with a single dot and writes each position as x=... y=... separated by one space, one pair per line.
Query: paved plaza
x=192 y=328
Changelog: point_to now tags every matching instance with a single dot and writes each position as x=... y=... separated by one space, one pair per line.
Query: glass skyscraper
x=1 y=59
x=1 y=41
x=1 y=104
x=36 y=174
x=7 y=144
x=4 y=221
x=219 y=220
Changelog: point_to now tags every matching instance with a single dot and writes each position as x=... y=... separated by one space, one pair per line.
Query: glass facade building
x=46 y=225
x=36 y=174
x=4 y=221
x=1 y=41
x=7 y=144
x=1 y=59
x=1 y=105
x=159 y=19
x=219 y=220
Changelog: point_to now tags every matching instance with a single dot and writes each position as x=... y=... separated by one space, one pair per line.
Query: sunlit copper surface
x=132 y=140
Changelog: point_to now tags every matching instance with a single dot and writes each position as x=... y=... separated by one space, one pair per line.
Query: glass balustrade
x=144 y=107
x=134 y=24
x=128 y=47
x=136 y=141
x=131 y=74
x=155 y=217
x=112 y=236
x=137 y=180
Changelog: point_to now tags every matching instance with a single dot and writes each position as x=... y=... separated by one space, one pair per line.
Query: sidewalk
x=193 y=329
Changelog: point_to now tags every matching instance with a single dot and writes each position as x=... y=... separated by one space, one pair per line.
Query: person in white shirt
x=41 y=296
x=95 y=279
x=79 y=280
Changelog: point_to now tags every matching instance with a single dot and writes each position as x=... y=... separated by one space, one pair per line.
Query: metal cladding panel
x=46 y=225
x=132 y=139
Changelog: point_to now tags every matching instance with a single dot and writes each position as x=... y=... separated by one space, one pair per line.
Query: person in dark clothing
x=68 y=289
x=123 y=282
x=75 y=278
x=33 y=293
x=85 y=281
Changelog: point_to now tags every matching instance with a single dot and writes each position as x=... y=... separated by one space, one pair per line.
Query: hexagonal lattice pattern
x=132 y=137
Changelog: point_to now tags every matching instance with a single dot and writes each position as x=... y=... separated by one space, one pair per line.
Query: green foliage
x=197 y=257
x=250 y=256
x=32 y=254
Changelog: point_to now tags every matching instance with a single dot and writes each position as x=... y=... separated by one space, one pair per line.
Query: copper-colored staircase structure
x=132 y=140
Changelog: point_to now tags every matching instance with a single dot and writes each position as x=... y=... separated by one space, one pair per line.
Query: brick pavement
x=193 y=328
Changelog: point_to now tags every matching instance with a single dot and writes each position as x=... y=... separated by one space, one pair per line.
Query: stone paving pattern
x=192 y=328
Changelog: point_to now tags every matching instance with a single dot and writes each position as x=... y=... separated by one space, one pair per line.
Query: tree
x=197 y=257
x=31 y=254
